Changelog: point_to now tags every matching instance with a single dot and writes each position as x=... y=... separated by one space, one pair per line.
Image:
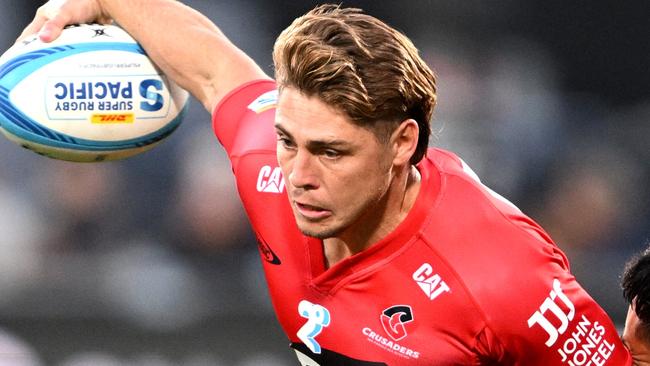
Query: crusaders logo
x=394 y=318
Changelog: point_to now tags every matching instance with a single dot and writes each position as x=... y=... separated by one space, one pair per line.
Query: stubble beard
x=325 y=232
x=336 y=229
x=372 y=204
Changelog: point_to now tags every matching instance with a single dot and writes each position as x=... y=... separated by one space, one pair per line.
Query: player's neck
x=379 y=222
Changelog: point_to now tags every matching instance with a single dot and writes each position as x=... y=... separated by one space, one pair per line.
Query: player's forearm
x=186 y=45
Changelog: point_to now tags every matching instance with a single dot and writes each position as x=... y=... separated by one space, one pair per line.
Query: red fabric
x=465 y=279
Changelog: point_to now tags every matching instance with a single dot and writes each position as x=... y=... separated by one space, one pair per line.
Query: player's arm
x=547 y=318
x=186 y=45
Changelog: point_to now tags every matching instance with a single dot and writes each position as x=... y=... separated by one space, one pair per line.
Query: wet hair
x=636 y=288
x=360 y=66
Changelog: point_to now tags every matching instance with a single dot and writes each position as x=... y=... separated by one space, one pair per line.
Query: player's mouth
x=312 y=212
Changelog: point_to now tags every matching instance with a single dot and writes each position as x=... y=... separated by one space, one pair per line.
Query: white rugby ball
x=91 y=95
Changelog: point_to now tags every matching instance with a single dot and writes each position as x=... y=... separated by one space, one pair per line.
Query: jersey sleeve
x=244 y=124
x=535 y=311
x=557 y=323
x=542 y=316
x=243 y=120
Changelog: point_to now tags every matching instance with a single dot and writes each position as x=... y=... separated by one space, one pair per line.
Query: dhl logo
x=112 y=118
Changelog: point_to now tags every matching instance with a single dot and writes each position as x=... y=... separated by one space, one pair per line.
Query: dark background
x=150 y=261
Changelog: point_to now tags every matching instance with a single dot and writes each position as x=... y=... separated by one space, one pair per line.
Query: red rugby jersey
x=465 y=279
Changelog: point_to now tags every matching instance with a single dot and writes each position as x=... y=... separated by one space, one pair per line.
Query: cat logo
x=270 y=180
x=430 y=282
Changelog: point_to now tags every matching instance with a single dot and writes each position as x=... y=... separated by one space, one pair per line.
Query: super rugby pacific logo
x=98 y=98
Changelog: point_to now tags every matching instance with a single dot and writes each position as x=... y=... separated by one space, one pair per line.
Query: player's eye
x=331 y=153
x=285 y=142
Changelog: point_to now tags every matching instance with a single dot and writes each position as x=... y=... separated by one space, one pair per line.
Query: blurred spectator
x=501 y=112
x=590 y=209
x=151 y=287
x=81 y=204
x=592 y=196
x=207 y=224
x=206 y=194
x=21 y=242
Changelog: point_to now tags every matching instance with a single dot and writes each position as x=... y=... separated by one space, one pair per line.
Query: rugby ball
x=91 y=95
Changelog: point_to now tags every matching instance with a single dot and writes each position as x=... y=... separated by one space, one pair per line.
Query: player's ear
x=404 y=141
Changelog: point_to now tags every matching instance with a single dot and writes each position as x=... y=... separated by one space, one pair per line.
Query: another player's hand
x=53 y=16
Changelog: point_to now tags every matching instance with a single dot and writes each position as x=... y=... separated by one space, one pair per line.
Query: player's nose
x=303 y=171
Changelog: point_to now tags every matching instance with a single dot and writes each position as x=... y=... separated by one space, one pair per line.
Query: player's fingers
x=61 y=14
x=48 y=22
x=105 y=20
x=32 y=28
x=52 y=28
x=54 y=15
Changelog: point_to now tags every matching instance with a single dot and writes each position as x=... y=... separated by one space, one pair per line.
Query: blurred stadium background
x=150 y=261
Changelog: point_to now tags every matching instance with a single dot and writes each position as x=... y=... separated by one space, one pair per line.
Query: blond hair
x=359 y=65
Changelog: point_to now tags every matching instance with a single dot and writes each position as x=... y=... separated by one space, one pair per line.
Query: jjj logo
x=318 y=317
x=394 y=318
x=557 y=314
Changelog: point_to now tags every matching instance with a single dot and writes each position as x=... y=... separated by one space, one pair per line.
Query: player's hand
x=53 y=16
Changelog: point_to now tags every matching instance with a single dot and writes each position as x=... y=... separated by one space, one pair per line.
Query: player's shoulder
x=451 y=166
x=246 y=111
x=458 y=178
x=464 y=198
x=480 y=232
x=444 y=160
x=255 y=96
x=506 y=263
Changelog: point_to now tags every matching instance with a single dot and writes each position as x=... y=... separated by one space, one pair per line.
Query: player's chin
x=317 y=231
